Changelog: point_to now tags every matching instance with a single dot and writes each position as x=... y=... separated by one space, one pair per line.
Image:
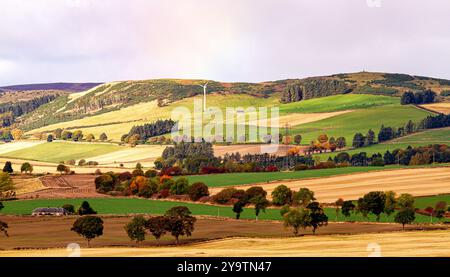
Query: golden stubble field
x=394 y=244
x=417 y=181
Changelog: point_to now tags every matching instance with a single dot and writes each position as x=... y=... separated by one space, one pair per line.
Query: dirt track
x=418 y=182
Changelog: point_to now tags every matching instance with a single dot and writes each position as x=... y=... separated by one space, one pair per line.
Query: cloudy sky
x=227 y=40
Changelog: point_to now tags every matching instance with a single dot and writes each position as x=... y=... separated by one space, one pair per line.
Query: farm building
x=49 y=211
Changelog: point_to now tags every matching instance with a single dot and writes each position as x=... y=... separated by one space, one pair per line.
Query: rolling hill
x=115 y=107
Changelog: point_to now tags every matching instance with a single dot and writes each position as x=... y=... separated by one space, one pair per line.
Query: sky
x=224 y=40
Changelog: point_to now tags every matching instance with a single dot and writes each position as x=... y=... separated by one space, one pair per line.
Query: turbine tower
x=204 y=95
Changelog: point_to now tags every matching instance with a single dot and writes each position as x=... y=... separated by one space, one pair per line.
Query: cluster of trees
x=140 y=133
x=13 y=110
x=436 y=153
x=419 y=97
x=324 y=144
x=149 y=185
x=313 y=88
x=74 y=136
x=389 y=133
x=439 y=211
x=177 y=221
x=84 y=209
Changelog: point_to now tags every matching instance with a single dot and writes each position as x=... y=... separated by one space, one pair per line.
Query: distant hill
x=68 y=87
x=115 y=96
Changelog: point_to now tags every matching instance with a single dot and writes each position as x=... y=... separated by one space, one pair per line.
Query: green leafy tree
x=390 y=203
x=297 y=218
x=26 y=167
x=375 y=203
x=88 y=227
x=261 y=203
x=298 y=139
x=281 y=195
x=405 y=200
x=405 y=216
x=317 y=215
x=370 y=138
x=6 y=183
x=303 y=197
x=358 y=140
x=181 y=186
x=238 y=208
x=85 y=209
x=285 y=209
x=338 y=205
x=180 y=222
x=347 y=208
x=136 y=228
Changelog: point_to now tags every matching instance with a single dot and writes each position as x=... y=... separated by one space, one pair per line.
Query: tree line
x=140 y=133
x=419 y=97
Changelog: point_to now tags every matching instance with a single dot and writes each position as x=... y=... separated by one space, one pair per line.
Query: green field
x=126 y=206
x=231 y=179
x=338 y=103
x=348 y=124
x=56 y=152
x=437 y=136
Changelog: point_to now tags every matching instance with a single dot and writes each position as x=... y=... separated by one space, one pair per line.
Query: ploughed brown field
x=417 y=181
x=28 y=232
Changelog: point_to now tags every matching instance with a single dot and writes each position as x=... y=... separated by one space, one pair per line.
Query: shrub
x=255 y=192
x=104 y=183
x=300 y=167
x=198 y=190
x=82 y=162
x=150 y=173
x=180 y=186
x=224 y=196
x=137 y=172
x=69 y=208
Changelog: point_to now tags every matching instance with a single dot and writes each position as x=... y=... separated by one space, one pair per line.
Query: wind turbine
x=204 y=95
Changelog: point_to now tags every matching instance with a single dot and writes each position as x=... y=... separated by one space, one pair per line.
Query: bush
x=104 y=183
x=181 y=186
x=150 y=173
x=137 y=172
x=255 y=192
x=69 y=208
x=70 y=162
x=300 y=167
x=82 y=162
x=224 y=196
x=197 y=191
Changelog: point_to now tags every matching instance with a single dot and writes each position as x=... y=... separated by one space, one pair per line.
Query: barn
x=49 y=211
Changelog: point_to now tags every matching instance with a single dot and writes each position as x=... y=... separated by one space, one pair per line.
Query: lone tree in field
x=405 y=216
x=103 y=137
x=180 y=222
x=26 y=167
x=8 y=167
x=317 y=215
x=89 y=227
x=238 y=208
x=297 y=218
x=136 y=228
x=157 y=226
x=85 y=209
